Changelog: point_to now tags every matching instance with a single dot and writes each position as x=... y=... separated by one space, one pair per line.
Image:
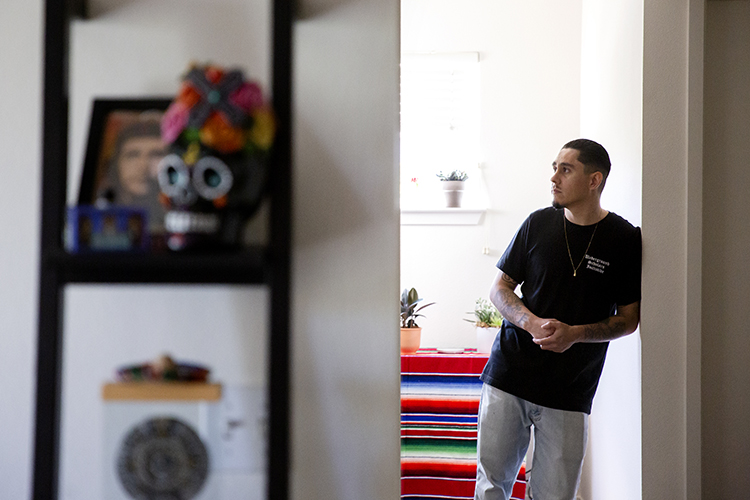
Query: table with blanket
x=439 y=405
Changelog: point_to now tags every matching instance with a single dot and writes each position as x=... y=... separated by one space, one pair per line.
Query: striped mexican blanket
x=439 y=406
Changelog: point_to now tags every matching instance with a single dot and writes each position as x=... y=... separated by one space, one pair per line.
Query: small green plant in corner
x=410 y=308
x=485 y=315
x=456 y=175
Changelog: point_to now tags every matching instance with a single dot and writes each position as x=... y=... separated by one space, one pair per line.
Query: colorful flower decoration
x=220 y=110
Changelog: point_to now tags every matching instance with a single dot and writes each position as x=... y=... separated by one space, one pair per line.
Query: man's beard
x=557 y=205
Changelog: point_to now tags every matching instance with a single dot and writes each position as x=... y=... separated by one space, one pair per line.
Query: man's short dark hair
x=593 y=156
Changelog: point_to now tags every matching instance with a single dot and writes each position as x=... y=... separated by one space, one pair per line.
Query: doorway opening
x=537 y=90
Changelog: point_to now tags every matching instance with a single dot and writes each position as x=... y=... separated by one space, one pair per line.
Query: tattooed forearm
x=512 y=307
x=508 y=303
x=624 y=322
x=609 y=329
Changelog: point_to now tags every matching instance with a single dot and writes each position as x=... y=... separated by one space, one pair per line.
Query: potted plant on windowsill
x=411 y=333
x=453 y=187
x=487 y=320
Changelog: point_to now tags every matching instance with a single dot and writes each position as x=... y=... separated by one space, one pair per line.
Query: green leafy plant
x=456 y=175
x=485 y=315
x=410 y=308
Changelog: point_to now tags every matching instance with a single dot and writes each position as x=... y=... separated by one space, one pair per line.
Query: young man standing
x=579 y=267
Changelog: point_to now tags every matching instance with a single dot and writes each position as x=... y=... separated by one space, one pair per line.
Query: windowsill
x=441 y=216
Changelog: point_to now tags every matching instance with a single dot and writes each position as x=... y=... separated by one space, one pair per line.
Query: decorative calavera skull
x=220 y=132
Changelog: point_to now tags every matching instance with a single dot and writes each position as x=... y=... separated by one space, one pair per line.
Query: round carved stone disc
x=162 y=459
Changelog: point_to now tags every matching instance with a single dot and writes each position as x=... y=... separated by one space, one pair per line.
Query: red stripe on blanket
x=440 y=468
x=449 y=488
x=426 y=422
x=445 y=487
x=519 y=490
x=440 y=404
x=438 y=433
x=462 y=364
x=454 y=468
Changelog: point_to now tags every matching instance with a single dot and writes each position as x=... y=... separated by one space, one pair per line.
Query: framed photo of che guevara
x=123 y=151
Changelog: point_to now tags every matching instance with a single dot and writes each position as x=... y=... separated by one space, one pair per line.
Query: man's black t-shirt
x=609 y=275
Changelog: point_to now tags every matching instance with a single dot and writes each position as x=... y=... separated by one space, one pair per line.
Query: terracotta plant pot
x=410 y=339
x=485 y=339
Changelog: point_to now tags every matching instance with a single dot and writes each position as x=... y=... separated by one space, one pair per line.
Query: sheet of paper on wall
x=242 y=426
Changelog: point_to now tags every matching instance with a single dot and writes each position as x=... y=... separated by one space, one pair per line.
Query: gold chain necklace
x=565 y=229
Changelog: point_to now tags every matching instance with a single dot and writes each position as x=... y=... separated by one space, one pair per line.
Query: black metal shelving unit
x=266 y=266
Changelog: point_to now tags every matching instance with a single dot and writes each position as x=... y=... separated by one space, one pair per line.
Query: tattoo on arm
x=609 y=329
x=510 y=281
x=509 y=304
x=513 y=308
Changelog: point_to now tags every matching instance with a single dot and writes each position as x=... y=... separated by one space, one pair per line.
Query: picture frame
x=123 y=150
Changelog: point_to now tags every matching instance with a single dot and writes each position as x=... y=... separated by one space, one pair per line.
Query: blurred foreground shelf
x=263 y=265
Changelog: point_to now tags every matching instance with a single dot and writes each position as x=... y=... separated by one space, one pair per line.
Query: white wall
x=20 y=132
x=530 y=57
x=611 y=112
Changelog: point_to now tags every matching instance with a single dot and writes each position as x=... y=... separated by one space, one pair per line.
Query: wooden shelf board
x=154 y=391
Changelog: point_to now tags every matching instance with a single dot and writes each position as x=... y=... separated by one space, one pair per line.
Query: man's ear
x=595 y=180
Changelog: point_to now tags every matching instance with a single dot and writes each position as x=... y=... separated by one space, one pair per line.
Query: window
x=439 y=125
